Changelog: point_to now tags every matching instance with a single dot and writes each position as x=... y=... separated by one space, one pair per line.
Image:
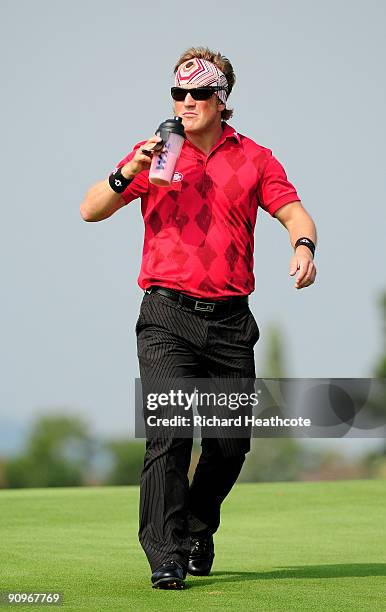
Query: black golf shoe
x=169 y=575
x=201 y=555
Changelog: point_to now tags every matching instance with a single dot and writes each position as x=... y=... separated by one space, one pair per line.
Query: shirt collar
x=230 y=132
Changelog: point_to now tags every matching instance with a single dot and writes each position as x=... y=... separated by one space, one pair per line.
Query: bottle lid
x=173 y=126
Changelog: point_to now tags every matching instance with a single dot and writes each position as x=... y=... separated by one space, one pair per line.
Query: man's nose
x=189 y=101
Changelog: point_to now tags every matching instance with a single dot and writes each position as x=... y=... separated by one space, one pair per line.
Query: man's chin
x=190 y=126
x=188 y=121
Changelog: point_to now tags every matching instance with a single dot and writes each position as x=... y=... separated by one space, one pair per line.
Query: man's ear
x=221 y=106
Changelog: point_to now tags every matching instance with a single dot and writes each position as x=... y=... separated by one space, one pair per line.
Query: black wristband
x=306 y=242
x=117 y=181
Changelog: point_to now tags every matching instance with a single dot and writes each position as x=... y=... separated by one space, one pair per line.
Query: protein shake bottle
x=162 y=166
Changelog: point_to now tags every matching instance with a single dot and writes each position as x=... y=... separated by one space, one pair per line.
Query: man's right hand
x=140 y=161
x=101 y=201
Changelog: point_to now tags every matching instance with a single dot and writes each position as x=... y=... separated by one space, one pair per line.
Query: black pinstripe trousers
x=174 y=341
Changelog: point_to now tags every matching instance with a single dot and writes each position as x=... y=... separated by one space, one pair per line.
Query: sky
x=82 y=83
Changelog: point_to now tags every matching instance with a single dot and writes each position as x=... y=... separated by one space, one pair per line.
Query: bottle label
x=163 y=157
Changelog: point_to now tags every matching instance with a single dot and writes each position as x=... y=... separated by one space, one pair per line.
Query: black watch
x=306 y=242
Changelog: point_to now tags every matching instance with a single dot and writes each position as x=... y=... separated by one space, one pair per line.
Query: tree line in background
x=60 y=451
x=285 y=459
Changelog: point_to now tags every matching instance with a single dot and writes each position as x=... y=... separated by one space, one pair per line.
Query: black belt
x=199 y=306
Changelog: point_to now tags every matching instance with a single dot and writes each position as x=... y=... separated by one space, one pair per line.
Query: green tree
x=374 y=462
x=274 y=365
x=58 y=454
x=127 y=461
x=380 y=367
x=378 y=407
x=274 y=459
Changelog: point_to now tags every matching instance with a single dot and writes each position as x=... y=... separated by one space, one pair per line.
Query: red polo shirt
x=199 y=231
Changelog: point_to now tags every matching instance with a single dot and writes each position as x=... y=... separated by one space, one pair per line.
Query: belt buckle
x=206 y=306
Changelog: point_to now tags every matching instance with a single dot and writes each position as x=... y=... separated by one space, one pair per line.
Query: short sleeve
x=140 y=184
x=274 y=189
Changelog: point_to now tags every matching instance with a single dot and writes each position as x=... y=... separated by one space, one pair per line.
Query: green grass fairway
x=281 y=546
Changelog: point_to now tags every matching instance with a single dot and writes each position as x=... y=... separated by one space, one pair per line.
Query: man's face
x=199 y=115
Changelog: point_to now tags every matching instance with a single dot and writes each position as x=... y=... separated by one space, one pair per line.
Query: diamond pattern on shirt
x=248 y=258
x=206 y=285
x=179 y=254
x=231 y=255
x=206 y=255
x=204 y=186
x=233 y=189
x=259 y=161
x=156 y=256
x=203 y=218
x=155 y=222
x=236 y=159
x=173 y=194
x=178 y=217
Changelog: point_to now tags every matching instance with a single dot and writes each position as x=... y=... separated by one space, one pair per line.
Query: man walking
x=197 y=273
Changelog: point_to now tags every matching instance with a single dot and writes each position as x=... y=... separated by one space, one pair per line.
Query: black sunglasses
x=198 y=93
